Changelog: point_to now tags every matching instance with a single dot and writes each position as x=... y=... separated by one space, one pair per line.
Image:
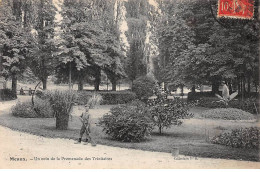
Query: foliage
x=247 y=138
x=225 y=95
x=85 y=97
x=117 y=97
x=94 y=100
x=90 y=39
x=227 y=114
x=41 y=60
x=167 y=112
x=144 y=87
x=198 y=95
x=7 y=94
x=176 y=44
x=15 y=40
x=208 y=100
x=61 y=103
x=26 y=109
x=195 y=49
x=136 y=102
x=248 y=105
x=137 y=17
x=127 y=123
x=82 y=97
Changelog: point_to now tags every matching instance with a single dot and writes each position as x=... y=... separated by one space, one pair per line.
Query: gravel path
x=37 y=152
x=22 y=150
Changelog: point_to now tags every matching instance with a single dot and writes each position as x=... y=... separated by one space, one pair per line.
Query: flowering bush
x=127 y=123
x=166 y=113
x=239 y=138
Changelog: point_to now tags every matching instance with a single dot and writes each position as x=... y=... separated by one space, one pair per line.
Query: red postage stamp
x=242 y=9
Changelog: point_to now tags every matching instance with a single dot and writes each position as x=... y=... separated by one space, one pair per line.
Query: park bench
x=23 y=92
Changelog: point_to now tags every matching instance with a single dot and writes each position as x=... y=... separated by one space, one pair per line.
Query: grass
x=190 y=137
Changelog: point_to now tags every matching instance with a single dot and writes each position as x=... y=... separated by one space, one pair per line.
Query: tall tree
x=196 y=49
x=137 y=17
x=15 y=40
x=89 y=31
x=176 y=41
x=41 y=57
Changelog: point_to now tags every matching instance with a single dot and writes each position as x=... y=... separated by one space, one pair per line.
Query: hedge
x=117 y=97
x=108 y=97
x=7 y=94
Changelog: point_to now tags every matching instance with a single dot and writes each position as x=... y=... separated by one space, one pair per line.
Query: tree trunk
x=244 y=86
x=70 y=77
x=242 y=89
x=230 y=88
x=97 y=79
x=238 y=86
x=17 y=10
x=44 y=83
x=193 y=89
x=113 y=84
x=248 y=85
x=160 y=129
x=80 y=85
x=14 y=84
x=4 y=84
x=215 y=87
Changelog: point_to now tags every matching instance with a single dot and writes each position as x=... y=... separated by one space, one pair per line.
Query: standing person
x=21 y=91
x=85 y=128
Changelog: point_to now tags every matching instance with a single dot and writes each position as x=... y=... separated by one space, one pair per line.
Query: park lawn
x=190 y=137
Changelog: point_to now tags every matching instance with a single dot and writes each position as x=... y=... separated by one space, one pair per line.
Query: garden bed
x=190 y=138
x=227 y=114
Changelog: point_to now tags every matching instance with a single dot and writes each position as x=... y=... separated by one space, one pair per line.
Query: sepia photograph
x=129 y=84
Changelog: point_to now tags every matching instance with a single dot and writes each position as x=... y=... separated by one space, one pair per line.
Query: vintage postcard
x=129 y=84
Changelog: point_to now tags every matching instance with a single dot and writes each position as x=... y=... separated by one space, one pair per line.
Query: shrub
x=117 y=97
x=61 y=102
x=127 y=123
x=167 y=112
x=7 y=94
x=144 y=87
x=239 y=138
x=39 y=94
x=25 y=109
x=136 y=102
x=107 y=97
x=82 y=97
x=198 y=95
x=227 y=114
x=94 y=100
